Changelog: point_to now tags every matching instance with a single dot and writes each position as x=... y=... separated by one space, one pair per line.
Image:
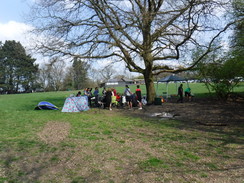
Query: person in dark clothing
x=89 y=95
x=104 y=92
x=108 y=99
x=138 y=96
x=180 y=93
x=96 y=95
x=78 y=94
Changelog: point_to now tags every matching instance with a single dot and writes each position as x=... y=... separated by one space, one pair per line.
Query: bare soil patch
x=54 y=132
x=205 y=111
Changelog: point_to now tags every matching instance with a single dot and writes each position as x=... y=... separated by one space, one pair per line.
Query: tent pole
x=167 y=89
x=176 y=88
x=157 y=89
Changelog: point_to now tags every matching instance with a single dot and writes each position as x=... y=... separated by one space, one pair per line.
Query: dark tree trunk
x=151 y=93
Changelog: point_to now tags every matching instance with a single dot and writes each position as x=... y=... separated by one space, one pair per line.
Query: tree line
x=20 y=73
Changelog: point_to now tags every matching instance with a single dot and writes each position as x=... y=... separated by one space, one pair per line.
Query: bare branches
x=133 y=30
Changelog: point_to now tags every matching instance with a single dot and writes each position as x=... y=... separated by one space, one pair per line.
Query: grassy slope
x=109 y=146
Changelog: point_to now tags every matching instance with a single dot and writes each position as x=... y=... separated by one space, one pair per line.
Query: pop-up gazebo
x=170 y=78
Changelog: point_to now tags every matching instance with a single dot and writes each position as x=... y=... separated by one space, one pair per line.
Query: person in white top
x=128 y=94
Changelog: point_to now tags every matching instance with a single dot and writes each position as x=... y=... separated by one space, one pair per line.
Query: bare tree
x=107 y=72
x=141 y=33
x=69 y=81
x=57 y=73
x=51 y=76
x=42 y=78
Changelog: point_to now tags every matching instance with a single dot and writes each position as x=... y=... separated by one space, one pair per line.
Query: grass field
x=109 y=146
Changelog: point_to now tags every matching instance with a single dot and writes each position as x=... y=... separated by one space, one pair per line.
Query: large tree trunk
x=151 y=93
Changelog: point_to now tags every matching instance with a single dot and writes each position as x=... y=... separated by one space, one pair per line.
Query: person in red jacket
x=138 y=96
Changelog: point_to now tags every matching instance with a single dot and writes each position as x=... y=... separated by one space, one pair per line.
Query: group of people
x=188 y=94
x=88 y=92
x=111 y=93
x=130 y=97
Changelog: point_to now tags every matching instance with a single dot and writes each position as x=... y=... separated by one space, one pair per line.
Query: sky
x=12 y=24
x=12 y=21
x=12 y=10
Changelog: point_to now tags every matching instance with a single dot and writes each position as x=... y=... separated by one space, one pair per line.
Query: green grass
x=109 y=146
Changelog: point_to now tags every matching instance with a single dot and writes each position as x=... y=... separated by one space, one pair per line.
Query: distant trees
x=51 y=75
x=236 y=59
x=19 y=73
x=219 y=76
x=17 y=69
x=222 y=71
x=56 y=75
x=80 y=73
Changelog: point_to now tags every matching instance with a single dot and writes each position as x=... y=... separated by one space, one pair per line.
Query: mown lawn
x=110 y=146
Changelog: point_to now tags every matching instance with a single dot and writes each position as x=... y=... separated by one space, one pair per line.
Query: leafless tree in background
x=51 y=75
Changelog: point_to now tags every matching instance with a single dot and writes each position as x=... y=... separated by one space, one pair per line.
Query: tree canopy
x=17 y=68
x=238 y=38
x=149 y=36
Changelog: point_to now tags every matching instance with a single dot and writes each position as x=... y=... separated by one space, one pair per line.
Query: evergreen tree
x=17 y=68
x=2 y=75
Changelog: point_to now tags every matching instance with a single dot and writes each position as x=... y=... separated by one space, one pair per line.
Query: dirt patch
x=54 y=132
x=207 y=112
